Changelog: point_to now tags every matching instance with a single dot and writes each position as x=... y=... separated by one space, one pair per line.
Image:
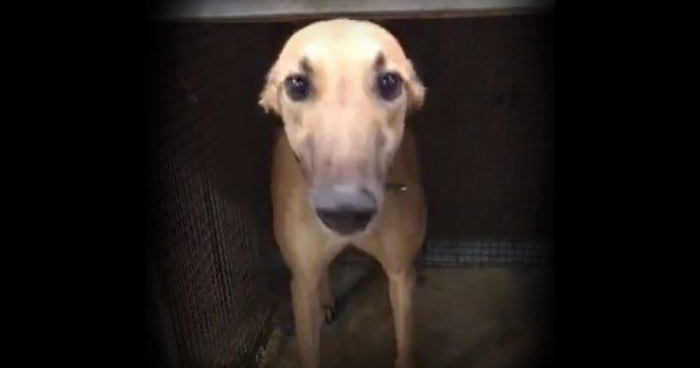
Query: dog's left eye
x=298 y=87
x=389 y=85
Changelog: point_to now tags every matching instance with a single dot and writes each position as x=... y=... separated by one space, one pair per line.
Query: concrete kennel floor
x=465 y=317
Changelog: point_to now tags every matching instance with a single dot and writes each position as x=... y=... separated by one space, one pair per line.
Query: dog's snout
x=345 y=209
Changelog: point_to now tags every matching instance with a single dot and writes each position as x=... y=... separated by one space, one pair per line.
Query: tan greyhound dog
x=345 y=171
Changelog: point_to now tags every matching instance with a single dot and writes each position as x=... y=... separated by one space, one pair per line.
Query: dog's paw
x=330 y=312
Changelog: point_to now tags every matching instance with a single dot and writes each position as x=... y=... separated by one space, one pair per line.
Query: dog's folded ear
x=415 y=88
x=269 y=98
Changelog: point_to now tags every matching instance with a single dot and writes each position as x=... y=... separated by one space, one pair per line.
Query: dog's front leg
x=307 y=317
x=401 y=287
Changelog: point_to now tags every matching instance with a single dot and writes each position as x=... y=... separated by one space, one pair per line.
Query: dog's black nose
x=345 y=209
x=345 y=220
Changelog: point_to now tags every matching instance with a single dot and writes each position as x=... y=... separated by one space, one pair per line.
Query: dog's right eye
x=298 y=87
x=389 y=85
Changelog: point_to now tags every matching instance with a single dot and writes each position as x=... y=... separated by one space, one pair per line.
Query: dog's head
x=343 y=89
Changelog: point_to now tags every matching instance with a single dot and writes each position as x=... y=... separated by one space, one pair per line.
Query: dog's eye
x=298 y=87
x=389 y=85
